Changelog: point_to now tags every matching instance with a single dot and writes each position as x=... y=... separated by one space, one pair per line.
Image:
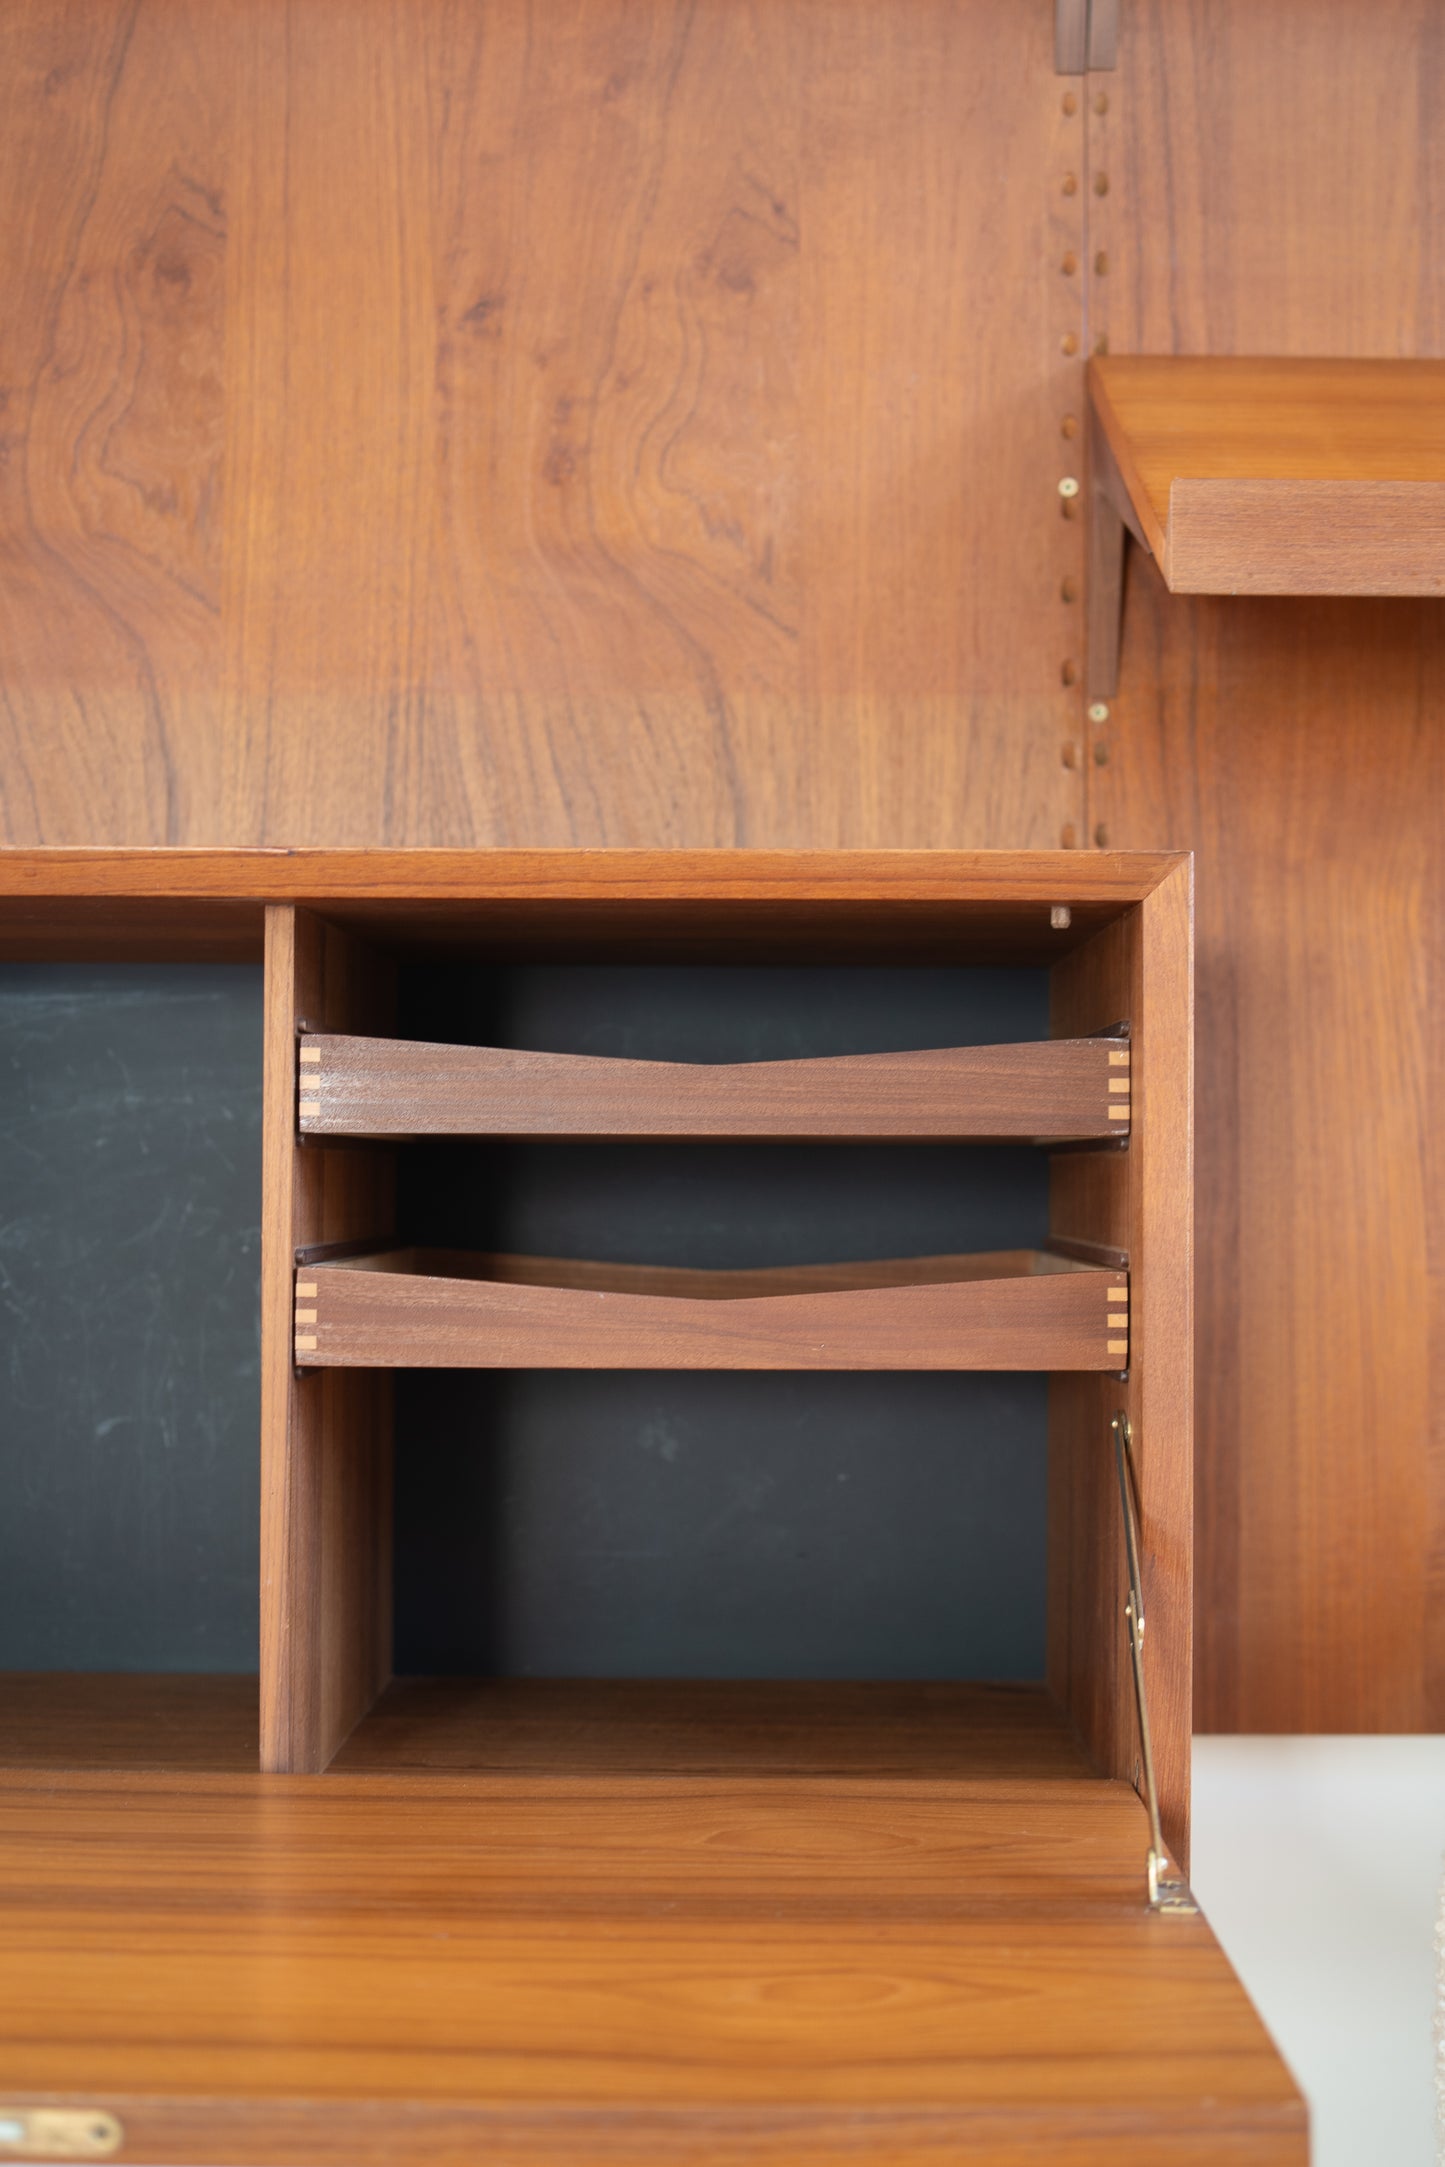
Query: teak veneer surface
x=420 y=1308
x=943 y=1954
x=1296 y=746
x=450 y=425
x=1055 y=1090
x=1282 y=476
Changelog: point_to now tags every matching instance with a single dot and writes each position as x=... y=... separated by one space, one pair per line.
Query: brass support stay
x=1168 y=1890
x=1111 y=517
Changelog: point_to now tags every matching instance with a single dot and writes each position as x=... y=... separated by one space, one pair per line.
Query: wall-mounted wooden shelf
x=1264 y=477
x=439 y=1309
x=1055 y=1091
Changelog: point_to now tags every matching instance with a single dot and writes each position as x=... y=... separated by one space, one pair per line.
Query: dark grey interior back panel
x=764 y=1526
x=768 y=1526
x=634 y=1523
x=130 y=1204
x=725 y=1012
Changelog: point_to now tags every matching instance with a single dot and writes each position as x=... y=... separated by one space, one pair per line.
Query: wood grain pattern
x=1139 y=1202
x=1281 y=476
x=535 y=425
x=437 y=1309
x=623 y=1965
x=1296 y=747
x=1258 y=537
x=800 y=878
x=325 y=1439
x=1053 y=1091
x=116 y=140
x=70 y=929
x=178 y=2133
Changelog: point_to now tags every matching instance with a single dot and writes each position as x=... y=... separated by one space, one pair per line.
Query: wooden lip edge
x=350 y=2130
x=360 y=1257
x=1341 y=515
x=1114 y=1057
x=315 y=876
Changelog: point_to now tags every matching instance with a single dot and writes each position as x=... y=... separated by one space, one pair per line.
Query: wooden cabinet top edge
x=318 y=875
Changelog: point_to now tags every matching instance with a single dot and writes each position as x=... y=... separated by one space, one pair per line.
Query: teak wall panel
x=1315 y=1519
x=1275 y=185
x=542 y=421
x=114 y=160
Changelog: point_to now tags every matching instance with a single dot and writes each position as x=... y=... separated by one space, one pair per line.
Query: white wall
x=1318 y=1862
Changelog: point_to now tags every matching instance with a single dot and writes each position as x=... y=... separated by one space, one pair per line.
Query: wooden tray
x=1056 y=1090
x=448 y=1309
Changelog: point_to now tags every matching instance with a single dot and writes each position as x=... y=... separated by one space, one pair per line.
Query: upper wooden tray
x=1057 y=1090
x=1279 y=476
x=446 y=1309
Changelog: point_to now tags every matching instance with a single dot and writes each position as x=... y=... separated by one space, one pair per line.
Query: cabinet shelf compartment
x=1054 y=1091
x=446 y=1309
x=1035 y=1297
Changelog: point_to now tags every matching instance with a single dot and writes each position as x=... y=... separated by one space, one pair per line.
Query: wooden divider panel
x=1135 y=1203
x=325 y=1438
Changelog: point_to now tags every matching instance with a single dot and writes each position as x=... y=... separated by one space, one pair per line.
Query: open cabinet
x=617 y=1917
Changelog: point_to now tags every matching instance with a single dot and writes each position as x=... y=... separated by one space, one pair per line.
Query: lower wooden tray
x=1020 y=1309
x=624 y=1923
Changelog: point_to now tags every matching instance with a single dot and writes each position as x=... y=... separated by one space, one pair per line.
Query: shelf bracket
x=1168 y=1890
x=1111 y=519
x=1086 y=34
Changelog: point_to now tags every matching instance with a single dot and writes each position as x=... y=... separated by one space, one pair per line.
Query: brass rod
x=1168 y=1890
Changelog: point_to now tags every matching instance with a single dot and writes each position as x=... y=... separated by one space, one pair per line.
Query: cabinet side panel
x=1138 y=1201
x=1089 y=1202
x=325 y=1439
